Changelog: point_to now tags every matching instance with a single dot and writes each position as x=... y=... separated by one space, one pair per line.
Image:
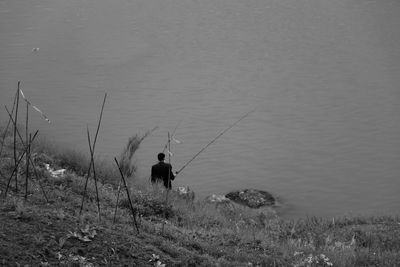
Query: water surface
x=323 y=76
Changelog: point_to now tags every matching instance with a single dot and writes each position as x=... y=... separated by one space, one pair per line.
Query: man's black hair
x=161 y=156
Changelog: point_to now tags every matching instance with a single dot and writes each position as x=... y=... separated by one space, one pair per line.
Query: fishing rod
x=212 y=141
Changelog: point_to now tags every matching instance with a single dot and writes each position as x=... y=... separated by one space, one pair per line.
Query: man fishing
x=162 y=172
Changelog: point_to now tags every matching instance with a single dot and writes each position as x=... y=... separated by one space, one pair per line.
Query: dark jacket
x=161 y=172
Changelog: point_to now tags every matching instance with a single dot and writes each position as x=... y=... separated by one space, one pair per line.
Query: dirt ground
x=29 y=239
x=48 y=237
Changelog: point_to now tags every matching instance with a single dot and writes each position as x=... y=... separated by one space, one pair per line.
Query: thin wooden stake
x=28 y=143
x=30 y=159
x=16 y=166
x=8 y=124
x=94 y=145
x=15 y=139
x=14 y=170
x=129 y=197
x=168 y=182
x=28 y=155
x=94 y=172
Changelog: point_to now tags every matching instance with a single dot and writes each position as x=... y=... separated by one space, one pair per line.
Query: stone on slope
x=252 y=198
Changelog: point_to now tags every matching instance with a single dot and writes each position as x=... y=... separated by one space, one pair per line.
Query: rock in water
x=252 y=198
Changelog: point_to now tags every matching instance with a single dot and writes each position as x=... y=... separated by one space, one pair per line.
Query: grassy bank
x=37 y=232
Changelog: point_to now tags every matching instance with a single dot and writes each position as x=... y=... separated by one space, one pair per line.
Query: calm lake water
x=323 y=75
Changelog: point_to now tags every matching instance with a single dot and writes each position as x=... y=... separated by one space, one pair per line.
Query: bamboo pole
x=94 y=145
x=16 y=166
x=34 y=169
x=28 y=143
x=15 y=138
x=8 y=124
x=129 y=197
x=14 y=170
x=94 y=172
x=30 y=159
x=168 y=182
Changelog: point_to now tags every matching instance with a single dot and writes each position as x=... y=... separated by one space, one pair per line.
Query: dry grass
x=126 y=157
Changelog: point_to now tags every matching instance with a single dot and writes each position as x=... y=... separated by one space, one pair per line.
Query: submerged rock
x=252 y=198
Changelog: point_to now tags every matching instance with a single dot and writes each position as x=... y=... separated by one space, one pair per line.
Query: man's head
x=161 y=156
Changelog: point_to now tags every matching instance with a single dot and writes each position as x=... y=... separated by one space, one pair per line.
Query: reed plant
x=125 y=159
